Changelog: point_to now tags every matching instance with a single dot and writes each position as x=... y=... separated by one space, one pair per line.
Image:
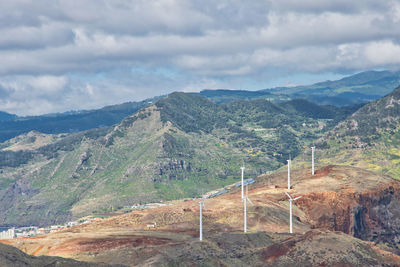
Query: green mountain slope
x=370 y=138
x=179 y=147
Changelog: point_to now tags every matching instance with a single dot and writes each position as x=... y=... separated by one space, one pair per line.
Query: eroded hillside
x=340 y=207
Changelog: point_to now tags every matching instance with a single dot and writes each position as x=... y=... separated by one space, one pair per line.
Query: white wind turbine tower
x=201 y=218
x=242 y=168
x=245 y=199
x=312 y=160
x=288 y=172
x=291 y=217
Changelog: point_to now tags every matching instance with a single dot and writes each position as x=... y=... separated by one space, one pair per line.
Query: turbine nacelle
x=290 y=210
x=290 y=198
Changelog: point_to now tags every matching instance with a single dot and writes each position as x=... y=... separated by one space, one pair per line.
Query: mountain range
x=357 y=89
x=185 y=144
x=180 y=146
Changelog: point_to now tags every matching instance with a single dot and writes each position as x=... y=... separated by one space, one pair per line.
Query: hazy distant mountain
x=356 y=89
x=359 y=88
x=67 y=122
x=180 y=146
x=4 y=116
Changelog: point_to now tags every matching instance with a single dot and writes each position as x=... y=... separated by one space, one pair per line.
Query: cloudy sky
x=59 y=55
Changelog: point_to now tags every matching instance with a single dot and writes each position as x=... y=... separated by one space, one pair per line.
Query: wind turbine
x=290 y=218
x=201 y=218
x=312 y=159
x=288 y=172
x=242 y=168
x=245 y=199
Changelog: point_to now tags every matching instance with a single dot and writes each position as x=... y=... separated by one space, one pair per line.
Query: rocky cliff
x=351 y=200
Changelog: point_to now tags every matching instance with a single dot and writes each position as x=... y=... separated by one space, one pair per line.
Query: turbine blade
x=297 y=197
x=288 y=195
x=250 y=201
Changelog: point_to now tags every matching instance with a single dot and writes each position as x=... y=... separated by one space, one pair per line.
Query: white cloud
x=44 y=44
x=384 y=53
x=30 y=86
x=48 y=84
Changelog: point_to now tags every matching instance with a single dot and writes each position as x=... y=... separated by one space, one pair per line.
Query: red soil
x=102 y=244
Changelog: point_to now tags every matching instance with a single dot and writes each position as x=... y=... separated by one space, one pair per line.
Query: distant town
x=32 y=231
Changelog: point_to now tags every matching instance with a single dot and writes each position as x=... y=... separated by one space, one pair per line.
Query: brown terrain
x=346 y=217
x=12 y=257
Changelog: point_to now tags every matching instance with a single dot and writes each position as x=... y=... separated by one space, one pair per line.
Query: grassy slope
x=369 y=139
x=180 y=147
x=126 y=170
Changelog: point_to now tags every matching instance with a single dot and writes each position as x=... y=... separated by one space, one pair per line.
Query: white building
x=10 y=233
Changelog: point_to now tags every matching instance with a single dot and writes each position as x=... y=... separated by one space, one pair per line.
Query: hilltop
x=341 y=210
x=177 y=147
